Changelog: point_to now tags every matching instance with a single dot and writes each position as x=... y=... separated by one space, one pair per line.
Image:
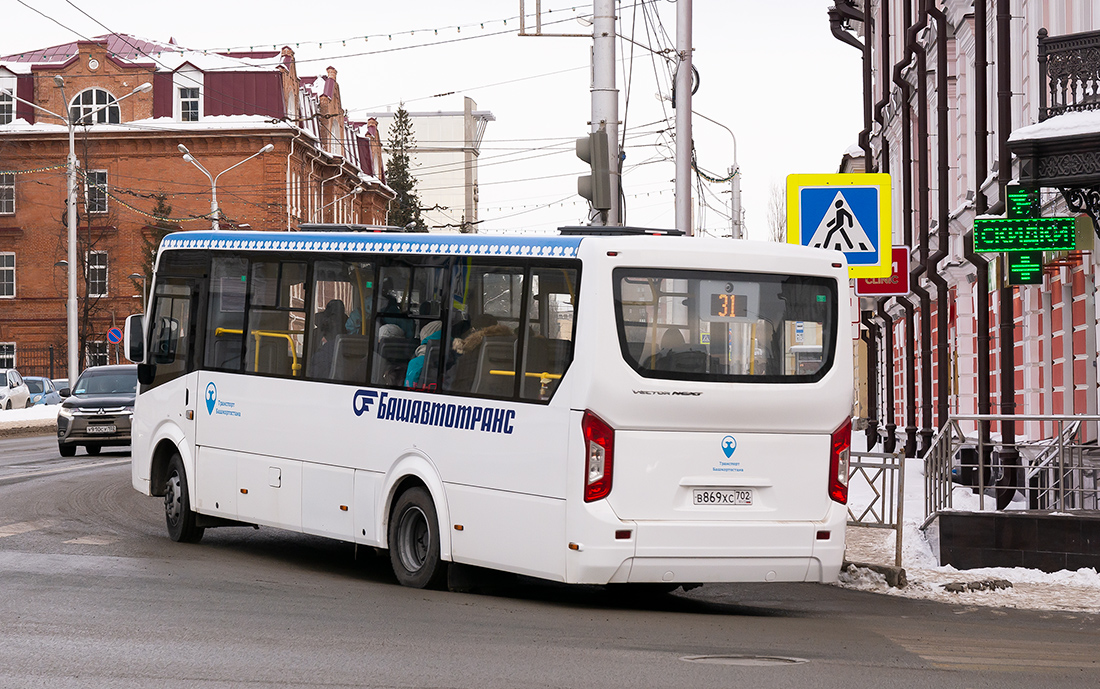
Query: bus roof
x=550 y=246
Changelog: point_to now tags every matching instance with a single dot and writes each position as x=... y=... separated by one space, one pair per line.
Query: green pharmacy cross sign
x=1024 y=234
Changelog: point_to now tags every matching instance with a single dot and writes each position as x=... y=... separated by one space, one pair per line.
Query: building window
x=189 y=104
x=7 y=193
x=7 y=275
x=95 y=191
x=94 y=105
x=96 y=354
x=7 y=355
x=97 y=273
x=7 y=108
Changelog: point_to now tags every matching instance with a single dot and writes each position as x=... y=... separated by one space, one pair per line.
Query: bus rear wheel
x=177 y=505
x=414 y=541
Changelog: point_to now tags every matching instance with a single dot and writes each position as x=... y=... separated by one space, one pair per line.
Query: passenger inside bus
x=426 y=358
x=490 y=346
x=327 y=325
x=392 y=355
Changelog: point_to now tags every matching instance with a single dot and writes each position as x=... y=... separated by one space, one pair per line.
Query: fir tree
x=151 y=237
x=405 y=209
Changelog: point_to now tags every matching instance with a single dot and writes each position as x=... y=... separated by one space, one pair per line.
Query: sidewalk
x=1031 y=588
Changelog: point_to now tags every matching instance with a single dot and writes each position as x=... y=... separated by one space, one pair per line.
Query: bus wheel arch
x=414 y=471
x=158 y=467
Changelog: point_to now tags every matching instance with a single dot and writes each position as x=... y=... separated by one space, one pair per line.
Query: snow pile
x=40 y=418
x=1031 y=588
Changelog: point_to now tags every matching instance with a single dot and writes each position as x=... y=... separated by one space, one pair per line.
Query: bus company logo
x=360 y=404
x=211 y=397
x=729 y=446
x=467 y=417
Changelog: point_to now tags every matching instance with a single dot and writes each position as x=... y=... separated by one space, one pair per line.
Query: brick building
x=133 y=182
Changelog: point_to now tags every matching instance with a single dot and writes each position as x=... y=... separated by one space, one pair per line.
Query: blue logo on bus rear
x=211 y=397
x=729 y=444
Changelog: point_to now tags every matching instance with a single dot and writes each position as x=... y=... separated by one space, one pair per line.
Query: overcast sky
x=770 y=72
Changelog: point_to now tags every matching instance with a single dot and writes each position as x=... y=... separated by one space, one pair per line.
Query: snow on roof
x=854 y=151
x=166 y=56
x=159 y=124
x=1066 y=124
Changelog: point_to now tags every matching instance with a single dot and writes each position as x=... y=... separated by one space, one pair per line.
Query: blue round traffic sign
x=114 y=335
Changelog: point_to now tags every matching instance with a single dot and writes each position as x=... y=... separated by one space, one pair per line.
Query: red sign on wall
x=896 y=284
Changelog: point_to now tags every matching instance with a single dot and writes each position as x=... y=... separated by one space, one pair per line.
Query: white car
x=14 y=393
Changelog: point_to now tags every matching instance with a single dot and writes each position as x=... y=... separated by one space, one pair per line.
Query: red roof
x=119 y=45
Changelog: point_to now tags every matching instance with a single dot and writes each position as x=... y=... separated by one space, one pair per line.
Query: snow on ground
x=36 y=415
x=1031 y=588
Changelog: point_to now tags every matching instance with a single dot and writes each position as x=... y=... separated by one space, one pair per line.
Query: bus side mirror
x=135 y=338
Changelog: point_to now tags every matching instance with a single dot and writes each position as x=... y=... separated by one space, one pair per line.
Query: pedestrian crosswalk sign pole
x=843 y=212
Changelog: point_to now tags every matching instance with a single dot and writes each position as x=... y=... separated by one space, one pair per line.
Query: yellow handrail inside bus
x=295 y=367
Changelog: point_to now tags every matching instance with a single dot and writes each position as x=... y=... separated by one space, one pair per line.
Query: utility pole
x=736 y=231
x=682 y=104
x=605 y=97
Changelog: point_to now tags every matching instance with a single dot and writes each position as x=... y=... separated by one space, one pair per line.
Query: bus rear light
x=840 y=446
x=599 y=443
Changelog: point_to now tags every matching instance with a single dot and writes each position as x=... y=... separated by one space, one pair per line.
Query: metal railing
x=1059 y=473
x=1069 y=73
x=884 y=475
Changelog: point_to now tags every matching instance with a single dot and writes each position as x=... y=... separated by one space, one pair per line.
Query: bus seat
x=391 y=360
x=273 y=357
x=430 y=373
x=495 y=354
x=349 y=358
x=227 y=352
x=683 y=359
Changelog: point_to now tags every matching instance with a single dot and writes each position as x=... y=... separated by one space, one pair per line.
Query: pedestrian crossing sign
x=844 y=212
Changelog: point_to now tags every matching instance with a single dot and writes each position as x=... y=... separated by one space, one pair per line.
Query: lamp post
x=214 y=178
x=139 y=276
x=353 y=192
x=74 y=368
x=735 y=182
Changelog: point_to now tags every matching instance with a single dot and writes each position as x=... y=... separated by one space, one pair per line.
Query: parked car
x=43 y=391
x=13 y=390
x=98 y=412
x=60 y=383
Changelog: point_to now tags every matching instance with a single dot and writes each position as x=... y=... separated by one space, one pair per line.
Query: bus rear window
x=726 y=326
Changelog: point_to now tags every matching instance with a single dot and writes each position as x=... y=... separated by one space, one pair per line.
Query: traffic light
x=595 y=187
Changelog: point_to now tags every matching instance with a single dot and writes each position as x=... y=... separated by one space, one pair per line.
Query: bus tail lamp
x=599 y=439
x=840 y=446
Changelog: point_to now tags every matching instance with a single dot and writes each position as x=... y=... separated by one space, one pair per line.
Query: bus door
x=172 y=397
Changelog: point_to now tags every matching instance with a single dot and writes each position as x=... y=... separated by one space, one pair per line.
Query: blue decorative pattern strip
x=380 y=243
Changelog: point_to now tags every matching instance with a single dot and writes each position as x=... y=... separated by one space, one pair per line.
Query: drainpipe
x=871 y=340
x=891 y=440
x=1009 y=454
x=942 y=219
x=981 y=206
x=923 y=206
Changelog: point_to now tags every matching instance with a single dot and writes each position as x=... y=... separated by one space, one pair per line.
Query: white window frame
x=7 y=355
x=79 y=110
x=7 y=181
x=6 y=269
x=7 y=105
x=97 y=272
x=195 y=100
x=92 y=205
x=96 y=354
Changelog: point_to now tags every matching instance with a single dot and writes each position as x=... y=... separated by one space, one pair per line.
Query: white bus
x=584 y=409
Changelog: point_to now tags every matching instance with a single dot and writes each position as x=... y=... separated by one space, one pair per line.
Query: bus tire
x=414 y=541
x=177 y=505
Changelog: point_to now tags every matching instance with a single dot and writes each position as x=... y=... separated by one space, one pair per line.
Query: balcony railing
x=1069 y=73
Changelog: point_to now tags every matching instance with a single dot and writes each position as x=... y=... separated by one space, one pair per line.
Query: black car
x=97 y=410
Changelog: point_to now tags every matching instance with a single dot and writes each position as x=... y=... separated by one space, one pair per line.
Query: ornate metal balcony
x=1069 y=73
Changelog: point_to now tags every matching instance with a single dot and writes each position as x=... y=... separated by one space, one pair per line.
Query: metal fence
x=41 y=360
x=1059 y=473
x=884 y=475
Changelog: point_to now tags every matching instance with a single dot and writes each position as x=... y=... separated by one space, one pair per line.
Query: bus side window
x=276 y=318
x=338 y=347
x=225 y=314
x=481 y=356
x=550 y=319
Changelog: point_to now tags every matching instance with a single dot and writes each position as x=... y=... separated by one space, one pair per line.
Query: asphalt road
x=94 y=594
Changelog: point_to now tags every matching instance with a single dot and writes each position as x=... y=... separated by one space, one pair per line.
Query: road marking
x=62 y=470
x=93 y=540
x=25 y=527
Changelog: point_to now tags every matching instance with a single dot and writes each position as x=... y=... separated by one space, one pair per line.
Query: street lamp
x=214 y=178
x=353 y=192
x=139 y=276
x=735 y=182
x=85 y=118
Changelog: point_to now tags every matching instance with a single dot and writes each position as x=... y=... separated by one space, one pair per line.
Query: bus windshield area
x=725 y=326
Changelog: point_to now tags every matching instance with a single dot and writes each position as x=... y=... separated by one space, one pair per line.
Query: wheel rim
x=414 y=539
x=173 y=499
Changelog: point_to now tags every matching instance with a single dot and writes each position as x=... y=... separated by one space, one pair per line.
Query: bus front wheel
x=177 y=505
x=414 y=541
